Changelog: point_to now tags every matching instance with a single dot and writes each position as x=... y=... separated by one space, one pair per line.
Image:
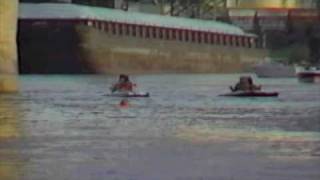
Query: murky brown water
x=63 y=127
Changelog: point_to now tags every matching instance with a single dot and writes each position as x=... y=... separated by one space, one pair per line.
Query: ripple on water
x=68 y=119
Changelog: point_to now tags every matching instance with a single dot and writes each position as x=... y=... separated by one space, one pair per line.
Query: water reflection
x=275 y=143
x=9 y=132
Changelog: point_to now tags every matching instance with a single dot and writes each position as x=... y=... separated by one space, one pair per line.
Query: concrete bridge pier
x=8 y=45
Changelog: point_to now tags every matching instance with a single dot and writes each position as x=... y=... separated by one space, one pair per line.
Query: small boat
x=309 y=75
x=130 y=95
x=274 y=70
x=251 y=94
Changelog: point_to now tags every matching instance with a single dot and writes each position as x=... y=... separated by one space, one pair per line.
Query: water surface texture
x=64 y=127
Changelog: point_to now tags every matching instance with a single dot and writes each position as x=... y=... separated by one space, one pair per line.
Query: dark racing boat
x=129 y=95
x=246 y=88
x=251 y=94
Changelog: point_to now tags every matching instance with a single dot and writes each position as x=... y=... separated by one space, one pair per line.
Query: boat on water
x=246 y=88
x=274 y=70
x=73 y=37
x=308 y=74
x=251 y=94
x=130 y=94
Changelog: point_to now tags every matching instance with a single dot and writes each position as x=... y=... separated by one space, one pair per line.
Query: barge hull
x=67 y=48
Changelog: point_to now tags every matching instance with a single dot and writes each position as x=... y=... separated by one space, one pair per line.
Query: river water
x=64 y=127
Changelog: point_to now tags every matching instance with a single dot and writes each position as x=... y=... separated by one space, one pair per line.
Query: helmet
x=124 y=77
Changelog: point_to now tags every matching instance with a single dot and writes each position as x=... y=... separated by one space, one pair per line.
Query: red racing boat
x=129 y=95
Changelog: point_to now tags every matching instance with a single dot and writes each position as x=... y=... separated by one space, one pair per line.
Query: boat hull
x=129 y=95
x=252 y=94
x=309 y=77
x=52 y=48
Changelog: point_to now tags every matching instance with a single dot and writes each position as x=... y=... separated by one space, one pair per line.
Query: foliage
x=294 y=54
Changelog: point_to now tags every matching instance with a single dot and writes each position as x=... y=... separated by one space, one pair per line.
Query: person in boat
x=245 y=84
x=123 y=85
x=252 y=86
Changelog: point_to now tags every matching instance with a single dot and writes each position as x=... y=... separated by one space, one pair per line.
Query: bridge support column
x=8 y=45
